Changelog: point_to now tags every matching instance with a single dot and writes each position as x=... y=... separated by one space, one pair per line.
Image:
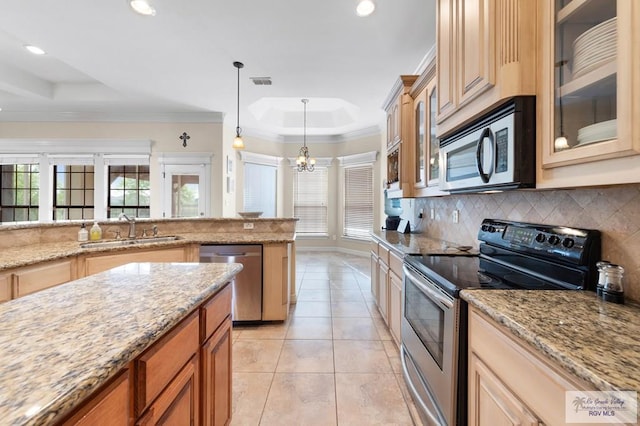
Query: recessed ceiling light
x=142 y=7
x=365 y=8
x=34 y=49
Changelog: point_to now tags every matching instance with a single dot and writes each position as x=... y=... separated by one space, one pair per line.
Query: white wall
x=216 y=139
x=165 y=137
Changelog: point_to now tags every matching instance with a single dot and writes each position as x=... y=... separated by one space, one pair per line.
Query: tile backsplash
x=615 y=211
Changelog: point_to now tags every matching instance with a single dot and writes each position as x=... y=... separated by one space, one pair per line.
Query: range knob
x=568 y=242
x=553 y=240
x=491 y=228
x=541 y=238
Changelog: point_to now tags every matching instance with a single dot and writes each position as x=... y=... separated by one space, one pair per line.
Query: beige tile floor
x=332 y=363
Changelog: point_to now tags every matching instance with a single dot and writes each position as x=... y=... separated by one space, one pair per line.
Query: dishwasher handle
x=221 y=255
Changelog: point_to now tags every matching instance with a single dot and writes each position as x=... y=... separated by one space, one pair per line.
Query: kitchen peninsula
x=38 y=256
x=146 y=331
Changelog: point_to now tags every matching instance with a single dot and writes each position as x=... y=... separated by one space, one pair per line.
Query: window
x=310 y=199
x=260 y=189
x=358 y=201
x=19 y=192
x=74 y=192
x=128 y=191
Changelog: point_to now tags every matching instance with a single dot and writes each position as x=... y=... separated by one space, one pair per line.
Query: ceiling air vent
x=261 y=81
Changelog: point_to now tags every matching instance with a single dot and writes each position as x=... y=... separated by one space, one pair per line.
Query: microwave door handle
x=485 y=176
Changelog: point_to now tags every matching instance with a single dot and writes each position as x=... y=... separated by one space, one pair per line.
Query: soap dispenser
x=83 y=234
x=96 y=232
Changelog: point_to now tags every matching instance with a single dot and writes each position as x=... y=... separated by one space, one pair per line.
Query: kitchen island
x=60 y=345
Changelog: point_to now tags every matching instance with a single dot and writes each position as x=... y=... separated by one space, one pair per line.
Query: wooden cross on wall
x=185 y=137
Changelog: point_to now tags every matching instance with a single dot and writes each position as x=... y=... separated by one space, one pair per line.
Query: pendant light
x=303 y=161
x=238 y=143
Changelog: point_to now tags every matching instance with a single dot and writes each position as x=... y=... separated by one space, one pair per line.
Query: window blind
x=358 y=201
x=260 y=189
x=310 y=199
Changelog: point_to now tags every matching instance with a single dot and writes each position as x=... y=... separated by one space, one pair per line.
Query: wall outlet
x=248 y=225
x=456 y=216
x=432 y=214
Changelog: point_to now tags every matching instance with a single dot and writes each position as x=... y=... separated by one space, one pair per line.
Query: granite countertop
x=416 y=243
x=59 y=345
x=32 y=254
x=593 y=340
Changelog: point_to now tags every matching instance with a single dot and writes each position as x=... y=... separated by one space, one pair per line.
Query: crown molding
x=76 y=146
x=114 y=116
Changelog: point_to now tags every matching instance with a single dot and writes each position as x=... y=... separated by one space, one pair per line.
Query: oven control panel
x=557 y=242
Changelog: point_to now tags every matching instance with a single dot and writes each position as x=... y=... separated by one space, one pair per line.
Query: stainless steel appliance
x=247 y=285
x=512 y=255
x=497 y=151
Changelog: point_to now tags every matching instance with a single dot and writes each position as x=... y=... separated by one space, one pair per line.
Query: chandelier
x=303 y=161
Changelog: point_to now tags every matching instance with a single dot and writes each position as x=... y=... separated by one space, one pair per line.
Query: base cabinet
x=494 y=404
x=110 y=407
x=508 y=383
x=184 y=378
x=216 y=377
x=5 y=287
x=99 y=263
x=275 y=284
x=178 y=404
x=30 y=279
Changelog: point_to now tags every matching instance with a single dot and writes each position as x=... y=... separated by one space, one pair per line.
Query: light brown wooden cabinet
x=400 y=156
x=6 y=292
x=386 y=286
x=216 y=376
x=486 y=54
x=374 y=271
x=275 y=281
x=92 y=264
x=424 y=142
x=178 y=404
x=508 y=383
x=31 y=279
x=383 y=281
x=184 y=378
x=110 y=407
x=588 y=93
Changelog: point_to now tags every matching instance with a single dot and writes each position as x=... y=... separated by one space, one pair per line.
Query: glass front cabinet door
x=426 y=145
x=588 y=105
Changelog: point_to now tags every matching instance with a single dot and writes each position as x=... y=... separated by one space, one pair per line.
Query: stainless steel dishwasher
x=247 y=285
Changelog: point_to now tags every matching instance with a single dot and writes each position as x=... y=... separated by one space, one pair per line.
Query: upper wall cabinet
x=425 y=144
x=399 y=107
x=588 y=98
x=486 y=53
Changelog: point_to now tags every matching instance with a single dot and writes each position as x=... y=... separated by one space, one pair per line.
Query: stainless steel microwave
x=496 y=152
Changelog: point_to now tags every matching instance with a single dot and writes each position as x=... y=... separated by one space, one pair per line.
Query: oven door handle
x=486 y=133
x=427 y=288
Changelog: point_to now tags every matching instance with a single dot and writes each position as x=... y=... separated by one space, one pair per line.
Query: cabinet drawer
x=109 y=407
x=383 y=253
x=36 y=278
x=215 y=311
x=161 y=362
x=395 y=264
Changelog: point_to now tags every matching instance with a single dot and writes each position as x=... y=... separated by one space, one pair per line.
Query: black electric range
x=517 y=255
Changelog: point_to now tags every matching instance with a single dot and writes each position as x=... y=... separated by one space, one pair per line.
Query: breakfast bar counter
x=60 y=345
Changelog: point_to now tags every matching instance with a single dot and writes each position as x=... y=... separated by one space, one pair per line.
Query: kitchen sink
x=129 y=242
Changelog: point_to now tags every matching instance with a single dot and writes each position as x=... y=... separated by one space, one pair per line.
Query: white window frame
x=192 y=163
x=77 y=151
x=321 y=163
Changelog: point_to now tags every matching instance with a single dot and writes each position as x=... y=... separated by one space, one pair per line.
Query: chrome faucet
x=132 y=224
